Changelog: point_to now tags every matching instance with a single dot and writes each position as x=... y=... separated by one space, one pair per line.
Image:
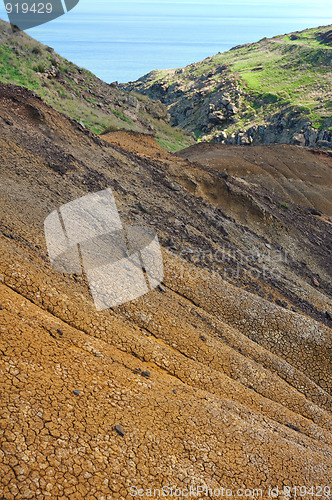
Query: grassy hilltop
x=282 y=84
x=81 y=95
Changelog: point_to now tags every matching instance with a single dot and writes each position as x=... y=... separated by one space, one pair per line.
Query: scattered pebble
x=60 y=169
x=76 y=392
x=268 y=246
x=144 y=208
x=281 y=304
x=328 y=315
x=174 y=391
x=315 y=281
x=170 y=243
x=202 y=338
x=174 y=186
x=119 y=430
x=313 y=211
x=60 y=332
x=146 y=373
x=9 y=235
x=161 y=288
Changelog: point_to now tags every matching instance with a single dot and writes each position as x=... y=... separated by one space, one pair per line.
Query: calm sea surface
x=125 y=40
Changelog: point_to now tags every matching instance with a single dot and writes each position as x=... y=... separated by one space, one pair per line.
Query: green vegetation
x=284 y=205
x=78 y=93
x=289 y=75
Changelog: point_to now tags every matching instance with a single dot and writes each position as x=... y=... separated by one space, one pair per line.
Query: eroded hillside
x=221 y=377
x=79 y=94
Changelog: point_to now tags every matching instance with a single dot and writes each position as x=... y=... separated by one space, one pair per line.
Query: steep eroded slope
x=238 y=393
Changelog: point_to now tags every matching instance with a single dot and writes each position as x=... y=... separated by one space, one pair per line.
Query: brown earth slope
x=237 y=340
x=294 y=174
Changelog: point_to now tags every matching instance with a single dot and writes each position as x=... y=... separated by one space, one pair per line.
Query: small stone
x=146 y=374
x=174 y=186
x=81 y=123
x=328 y=315
x=60 y=169
x=119 y=430
x=144 y=208
x=313 y=211
x=9 y=235
x=202 y=338
x=268 y=246
x=315 y=281
x=76 y=392
x=0 y=308
x=174 y=391
x=161 y=288
x=170 y=243
x=60 y=332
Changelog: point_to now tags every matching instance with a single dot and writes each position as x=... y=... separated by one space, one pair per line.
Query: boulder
x=243 y=139
x=225 y=101
x=232 y=108
x=222 y=137
x=324 y=144
x=298 y=140
x=310 y=137
x=217 y=117
x=133 y=102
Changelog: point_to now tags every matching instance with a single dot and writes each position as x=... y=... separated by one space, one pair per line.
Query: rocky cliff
x=277 y=90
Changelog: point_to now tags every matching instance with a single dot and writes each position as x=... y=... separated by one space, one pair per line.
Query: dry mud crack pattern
x=207 y=381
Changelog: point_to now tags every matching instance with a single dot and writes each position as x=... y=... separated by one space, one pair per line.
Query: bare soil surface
x=237 y=340
x=141 y=144
x=294 y=174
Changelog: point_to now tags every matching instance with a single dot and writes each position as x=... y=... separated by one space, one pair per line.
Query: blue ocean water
x=125 y=40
